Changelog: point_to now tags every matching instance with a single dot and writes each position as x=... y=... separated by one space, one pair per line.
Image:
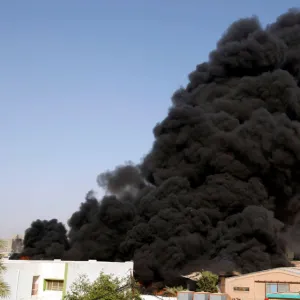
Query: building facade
x=50 y=280
x=13 y=245
x=280 y=283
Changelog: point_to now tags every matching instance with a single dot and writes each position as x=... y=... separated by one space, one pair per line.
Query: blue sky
x=84 y=82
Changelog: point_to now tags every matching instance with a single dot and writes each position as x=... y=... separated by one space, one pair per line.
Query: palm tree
x=4 y=288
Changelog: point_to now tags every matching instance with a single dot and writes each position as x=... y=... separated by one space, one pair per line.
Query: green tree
x=105 y=287
x=208 y=282
x=4 y=288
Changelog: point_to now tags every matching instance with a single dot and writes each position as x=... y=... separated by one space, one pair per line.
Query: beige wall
x=256 y=289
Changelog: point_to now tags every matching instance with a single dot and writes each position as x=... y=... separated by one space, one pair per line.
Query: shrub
x=105 y=287
x=208 y=282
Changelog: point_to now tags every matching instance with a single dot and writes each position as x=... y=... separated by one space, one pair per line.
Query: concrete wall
x=19 y=275
x=257 y=290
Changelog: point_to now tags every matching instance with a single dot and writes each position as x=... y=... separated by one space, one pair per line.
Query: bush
x=105 y=287
x=208 y=282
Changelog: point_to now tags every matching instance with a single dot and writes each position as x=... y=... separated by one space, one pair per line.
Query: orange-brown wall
x=257 y=290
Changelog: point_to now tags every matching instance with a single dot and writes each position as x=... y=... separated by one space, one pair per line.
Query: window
x=283 y=288
x=54 y=285
x=272 y=288
x=35 y=285
x=241 y=289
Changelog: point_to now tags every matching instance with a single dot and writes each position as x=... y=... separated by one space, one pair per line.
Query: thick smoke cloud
x=45 y=240
x=98 y=228
x=220 y=188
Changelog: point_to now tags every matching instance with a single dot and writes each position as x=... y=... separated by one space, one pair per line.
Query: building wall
x=257 y=290
x=19 y=275
x=14 y=244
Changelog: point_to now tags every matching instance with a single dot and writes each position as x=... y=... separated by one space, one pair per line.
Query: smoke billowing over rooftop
x=221 y=186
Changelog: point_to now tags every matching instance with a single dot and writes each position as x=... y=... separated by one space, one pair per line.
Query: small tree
x=105 y=287
x=4 y=288
x=208 y=282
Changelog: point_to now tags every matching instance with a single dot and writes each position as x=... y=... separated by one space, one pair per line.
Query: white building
x=50 y=280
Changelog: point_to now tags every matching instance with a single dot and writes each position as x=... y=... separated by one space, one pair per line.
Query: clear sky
x=83 y=83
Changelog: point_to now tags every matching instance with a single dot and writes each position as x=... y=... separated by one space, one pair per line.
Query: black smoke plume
x=220 y=189
x=45 y=240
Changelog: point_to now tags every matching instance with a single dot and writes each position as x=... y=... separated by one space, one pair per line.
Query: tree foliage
x=105 y=287
x=4 y=288
x=208 y=282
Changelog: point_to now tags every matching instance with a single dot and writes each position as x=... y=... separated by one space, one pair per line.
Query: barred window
x=54 y=285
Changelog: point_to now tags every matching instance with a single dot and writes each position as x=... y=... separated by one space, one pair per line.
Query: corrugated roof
x=193 y=276
x=291 y=270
